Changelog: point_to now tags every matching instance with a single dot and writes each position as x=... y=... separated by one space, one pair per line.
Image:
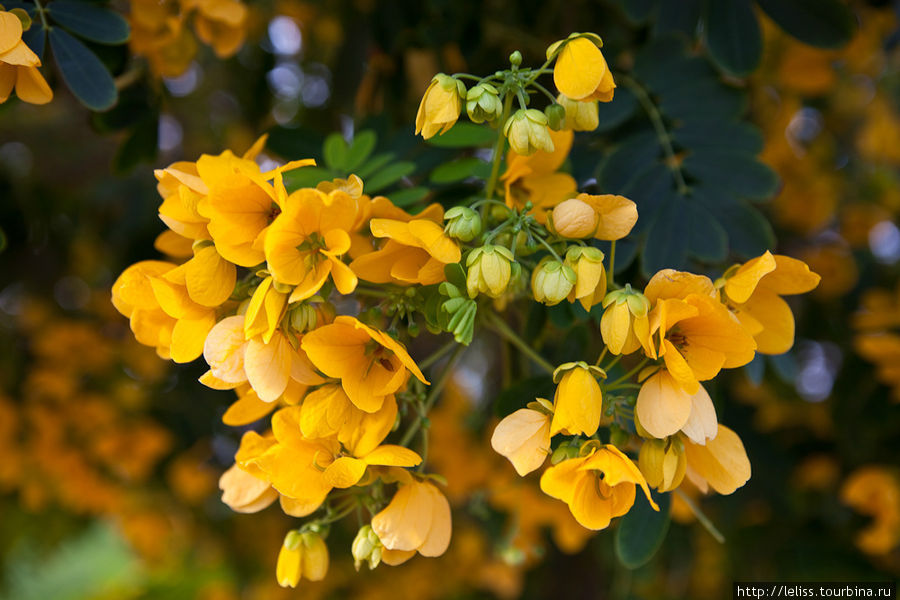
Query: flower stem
x=500 y=326
x=629 y=374
x=433 y=393
x=665 y=140
x=704 y=520
x=436 y=356
x=612 y=263
x=498 y=153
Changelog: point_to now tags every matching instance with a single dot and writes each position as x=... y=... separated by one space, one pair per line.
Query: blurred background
x=109 y=456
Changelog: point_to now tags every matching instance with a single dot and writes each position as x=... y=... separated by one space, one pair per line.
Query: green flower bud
x=579 y=115
x=490 y=268
x=365 y=545
x=483 y=103
x=463 y=223
x=527 y=132
x=556 y=116
x=515 y=59
x=552 y=281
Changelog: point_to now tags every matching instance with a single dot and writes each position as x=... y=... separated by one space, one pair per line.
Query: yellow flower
x=616 y=215
x=698 y=336
x=18 y=65
x=241 y=204
x=552 y=281
x=597 y=487
x=415 y=253
x=264 y=310
x=302 y=556
x=590 y=283
x=663 y=408
x=440 y=106
x=874 y=491
x=133 y=297
x=574 y=219
x=580 y=116
x=625 y=325
x=527 y=132
x=524 y=438
x=244 y=492
x=208 y=277
x=536 y=178
x=754 y=292
x=578 y=403
x=581 y=72
x=483 y=103
x=489 y=271
x=304 y=243
x=370 y=364
x=663 y=463
x=416 y=520
x=720 y=464
x=221 y=24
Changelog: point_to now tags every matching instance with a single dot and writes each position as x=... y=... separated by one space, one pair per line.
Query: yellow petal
x=524 y=438
x=393 y=456
x=345 y=472
x=617 y=215
x=20 y=55
x=559 y=480
x=588 y=507
x=743 y=283
x=577 y=404
x=268 y=366
x=580 y=68
x=791 y=276
x=31 y=86
x=776 y=318
x=702 y=424
x=722 y=462
x=405 y=522
x=247 y=409
x=188 y=337
x=438 y=537
x=10 y=30
x=209 y=278
x=224 y=350
x=663 y=407
x=670 y=283
x=245 y=493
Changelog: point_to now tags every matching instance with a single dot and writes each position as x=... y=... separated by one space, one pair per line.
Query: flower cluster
x=18 y=63
x=303 y=302
x=161 y=32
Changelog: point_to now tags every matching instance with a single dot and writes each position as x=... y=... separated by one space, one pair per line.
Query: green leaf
x=360 y=150
x=90 y=20
x=707 y=239
x=637 y=11
x=680 y=16
x=736 y=172
x=612 y=114
x=456 y=275
x=749 y=232
x=408 y=196
x=523 y=391
x=733 y=36
x=82 y=71
x=464 y=135
x=294 y=144
x=709 y=100
x=623 y=164
x=667 y=239
x=306 y=177
x=389 y=175
x=375 y=163
x=335 y=151
x=821 y=23
x=460 y=169
x=642 y=530
x=734 y=136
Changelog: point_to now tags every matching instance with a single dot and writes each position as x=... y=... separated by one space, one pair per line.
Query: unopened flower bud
x=552 y=281
x=663 y=463
x=483 y=103
x=515 y=59
x=556 y=116
x=366 y=547
x=527 y=132
x=489 y=271
x=579 y=116
x=315 y=556
x=463 y=223
x=289 y=567
x=574 y=219
x=625 y=325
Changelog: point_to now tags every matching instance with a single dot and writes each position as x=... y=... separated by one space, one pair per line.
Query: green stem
x=665 y=140
x=601 y=357
x=424 y=364
x=433 y=393
x=629 y=374
x=704 y=520
x=545 y=91
x=612 y=363
x=612 y=264
x=503 y=329
x=40 y=11
x=548 y=247
x=631 y=386
x=498 y=153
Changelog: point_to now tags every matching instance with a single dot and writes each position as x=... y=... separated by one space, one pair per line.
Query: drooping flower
x=581 y=72
x=663 y=408
x=441 y=105
x=578 y=402
x=244 y=492
x=597 y=487
x=754 y=292
x=625 y=325
x=720 y=464
x=19 y=65
x=528 y=132
x=370 y=364
x=489 y=270
x=524 y=438
x=302 y=556
x=552 y=281
x=663 y=463
x=221 y=24
x=416 y=520
x=580 y=115
x=590 y=283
